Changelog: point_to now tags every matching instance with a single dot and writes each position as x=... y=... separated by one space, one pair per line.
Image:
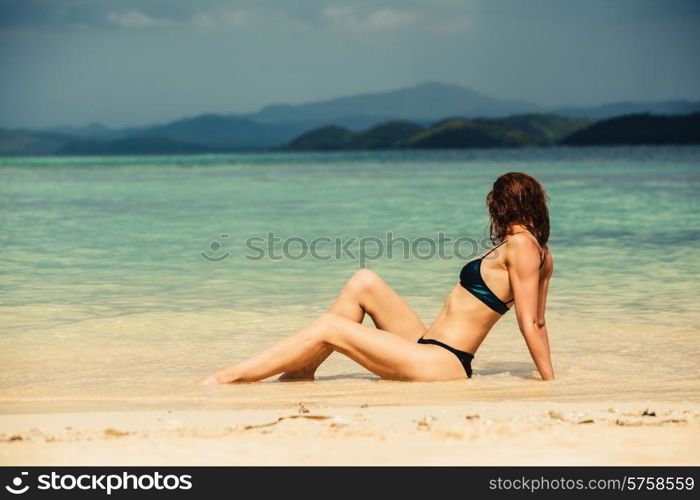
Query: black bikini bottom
x=464 y=357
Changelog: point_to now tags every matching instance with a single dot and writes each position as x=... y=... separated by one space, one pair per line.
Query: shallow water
x=107 y=298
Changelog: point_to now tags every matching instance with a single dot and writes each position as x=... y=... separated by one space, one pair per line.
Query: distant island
x=431 y=115
x=513 y=131
x=510 y=132
x=639 y=129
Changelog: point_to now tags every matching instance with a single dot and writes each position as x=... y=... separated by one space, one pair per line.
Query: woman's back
x=482 y=296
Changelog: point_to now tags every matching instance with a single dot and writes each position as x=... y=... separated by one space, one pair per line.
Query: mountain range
x=425 y=106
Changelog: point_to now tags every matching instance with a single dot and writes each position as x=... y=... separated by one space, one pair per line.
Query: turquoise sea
x=124 y=279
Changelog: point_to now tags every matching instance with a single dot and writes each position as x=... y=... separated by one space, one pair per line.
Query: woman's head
x=517 y=198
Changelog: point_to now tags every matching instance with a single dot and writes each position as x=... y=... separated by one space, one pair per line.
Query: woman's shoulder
x=523 y=241
x=524 y=246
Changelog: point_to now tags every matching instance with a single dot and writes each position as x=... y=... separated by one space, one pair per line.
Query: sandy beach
x=506 y=433
x=183 y=185
x=110 y=314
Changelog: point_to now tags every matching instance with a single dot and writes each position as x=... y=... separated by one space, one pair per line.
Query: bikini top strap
x=501 y=243
x=493 y=248
x=544 y=254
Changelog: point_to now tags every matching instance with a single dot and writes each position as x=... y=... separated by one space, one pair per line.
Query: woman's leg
x=386 y=354
x=366 y=292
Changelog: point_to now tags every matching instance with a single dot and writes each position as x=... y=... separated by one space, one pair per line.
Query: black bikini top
x=470 y=278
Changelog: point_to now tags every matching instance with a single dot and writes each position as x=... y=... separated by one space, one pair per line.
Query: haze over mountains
x=279 y=125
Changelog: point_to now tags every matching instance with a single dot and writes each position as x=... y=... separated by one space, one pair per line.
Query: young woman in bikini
x=519 y=266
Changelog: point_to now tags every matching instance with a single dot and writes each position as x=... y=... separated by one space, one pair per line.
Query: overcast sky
x=133 y=62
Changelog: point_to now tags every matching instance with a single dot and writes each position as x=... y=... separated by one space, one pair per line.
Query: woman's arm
x=523 y=262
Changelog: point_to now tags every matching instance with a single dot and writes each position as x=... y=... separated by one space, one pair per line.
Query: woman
x=401 y=347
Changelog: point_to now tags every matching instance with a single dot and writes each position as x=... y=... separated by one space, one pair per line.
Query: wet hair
x=517 y=198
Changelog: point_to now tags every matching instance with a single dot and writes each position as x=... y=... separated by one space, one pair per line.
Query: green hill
x=512 y=131
x=386 y=135
x=464 y=133
x=545 y=129
x=330 y=137
x=639 y=129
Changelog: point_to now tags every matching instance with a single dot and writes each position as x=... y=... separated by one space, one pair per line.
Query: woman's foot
x=208 y=380
x=225 y=376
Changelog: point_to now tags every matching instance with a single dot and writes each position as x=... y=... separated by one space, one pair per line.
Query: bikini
x=464 y=357
x=471 y=280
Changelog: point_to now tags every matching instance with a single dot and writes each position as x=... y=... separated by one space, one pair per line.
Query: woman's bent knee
x=326 y=319
x=323 y=324
x=327 y=327
x=364 y=281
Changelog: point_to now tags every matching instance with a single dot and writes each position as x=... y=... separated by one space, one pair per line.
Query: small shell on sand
x=423 y=423
x=109 y=432
x=555 y=415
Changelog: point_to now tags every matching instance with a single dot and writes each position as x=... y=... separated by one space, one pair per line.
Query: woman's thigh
x=388 y=310
x=392 y=356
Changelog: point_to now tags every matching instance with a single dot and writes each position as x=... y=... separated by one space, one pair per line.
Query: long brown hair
x=517 y=198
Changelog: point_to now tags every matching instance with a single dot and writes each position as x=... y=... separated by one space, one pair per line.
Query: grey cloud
x=58 y=14
x=138 y=61
x=103 y=13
